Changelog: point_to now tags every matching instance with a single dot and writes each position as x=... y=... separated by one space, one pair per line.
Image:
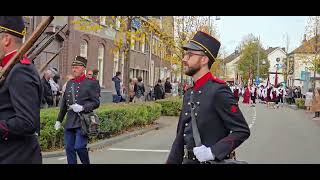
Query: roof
x=307 y=46
x=231 y=57
x=270 y=50
x=236 y=54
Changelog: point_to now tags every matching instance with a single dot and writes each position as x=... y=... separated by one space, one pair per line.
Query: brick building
x=98 y=47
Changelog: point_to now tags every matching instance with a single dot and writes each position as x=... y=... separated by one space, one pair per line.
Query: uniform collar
x=200 y=82
x=92 y=78
x=8 y=56
x=79 y=79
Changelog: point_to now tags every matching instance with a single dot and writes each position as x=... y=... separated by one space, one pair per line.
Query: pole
x=258 y=69
x=183 y=35
x=315 y=62
x=127 y=54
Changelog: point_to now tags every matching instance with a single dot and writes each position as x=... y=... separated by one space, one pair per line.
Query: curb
x=103 y=143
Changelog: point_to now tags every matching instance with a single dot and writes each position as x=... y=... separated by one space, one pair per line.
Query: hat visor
x=192 y=46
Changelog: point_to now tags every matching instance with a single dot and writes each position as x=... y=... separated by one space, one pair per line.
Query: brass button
x=196 y=114
x=186 y=114
x=184 y=135
x=199 y=92
x=198 y=102
x=193 y=158
x=186 y=124
x=191 y=92
x=189 y=103
x=6 y=138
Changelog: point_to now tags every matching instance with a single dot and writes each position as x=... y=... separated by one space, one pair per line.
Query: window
x=153 y=45
x=122 y=64
x=117 y=23
x=84 y=49
x=137 y=45
x=100 y=63
x=103 y=20
x=132 y=45
x=147 y=43
x=143 y=42
x=116 y=63
x=85 y=17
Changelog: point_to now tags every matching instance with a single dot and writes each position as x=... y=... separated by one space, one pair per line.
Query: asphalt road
x=277 y=136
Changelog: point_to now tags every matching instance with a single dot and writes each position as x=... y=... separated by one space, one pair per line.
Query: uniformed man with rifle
x=20 y=94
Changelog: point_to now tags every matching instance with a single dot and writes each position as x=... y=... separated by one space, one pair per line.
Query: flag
x=268 y=83
x=276 y=79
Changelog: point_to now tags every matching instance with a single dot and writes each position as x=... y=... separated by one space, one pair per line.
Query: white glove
x=76 y=108
x=57 y=125
x=203 y=153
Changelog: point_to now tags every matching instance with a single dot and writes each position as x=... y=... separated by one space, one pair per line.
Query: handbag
x=197 y=140
x=89 y=124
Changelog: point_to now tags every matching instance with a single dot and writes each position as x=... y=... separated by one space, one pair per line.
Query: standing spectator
x=69 y=77
x=55 y=89
x=316 y=105
x=167 y=88
x=132 y=82
x=308 y=101
x=47 y=98
x=139 y=90
x=158 y=90
x=116 y=88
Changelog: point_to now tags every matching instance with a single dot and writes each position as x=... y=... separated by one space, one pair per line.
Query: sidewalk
x=163 y=121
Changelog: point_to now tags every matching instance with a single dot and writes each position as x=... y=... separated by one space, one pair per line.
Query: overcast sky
x=271 y=29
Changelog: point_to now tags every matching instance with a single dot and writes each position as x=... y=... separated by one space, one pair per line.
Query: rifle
x=24 y=48
x=46 y=44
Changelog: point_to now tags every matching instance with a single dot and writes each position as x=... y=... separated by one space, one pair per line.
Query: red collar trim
x=92 y=78
x=79 y=79
x=6 y=59
x=200 y=82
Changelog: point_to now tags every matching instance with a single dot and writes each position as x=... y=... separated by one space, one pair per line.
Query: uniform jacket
x=221 y=124
x=20 y=99
x=86 y=94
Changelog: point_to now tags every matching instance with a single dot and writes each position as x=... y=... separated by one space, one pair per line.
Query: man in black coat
x=158 y=90
x=221 y=125
x=81 y=96
x=47 y=97
x=20 y=99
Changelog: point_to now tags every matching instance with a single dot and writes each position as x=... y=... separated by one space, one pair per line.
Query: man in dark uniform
x=221 y=125
x=20 y=99
x=81 y=96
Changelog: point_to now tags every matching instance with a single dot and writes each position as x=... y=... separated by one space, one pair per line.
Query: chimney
x=304 y=38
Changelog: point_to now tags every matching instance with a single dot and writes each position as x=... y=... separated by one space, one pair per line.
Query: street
x=277 y=136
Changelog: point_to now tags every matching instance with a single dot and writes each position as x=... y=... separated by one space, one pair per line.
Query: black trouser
x=317 y=114
x=281 y=98
x=254 y=99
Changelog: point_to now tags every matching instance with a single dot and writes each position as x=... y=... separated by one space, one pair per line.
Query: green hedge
x=113 y=118
x=300 y=103
x=170 y=106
